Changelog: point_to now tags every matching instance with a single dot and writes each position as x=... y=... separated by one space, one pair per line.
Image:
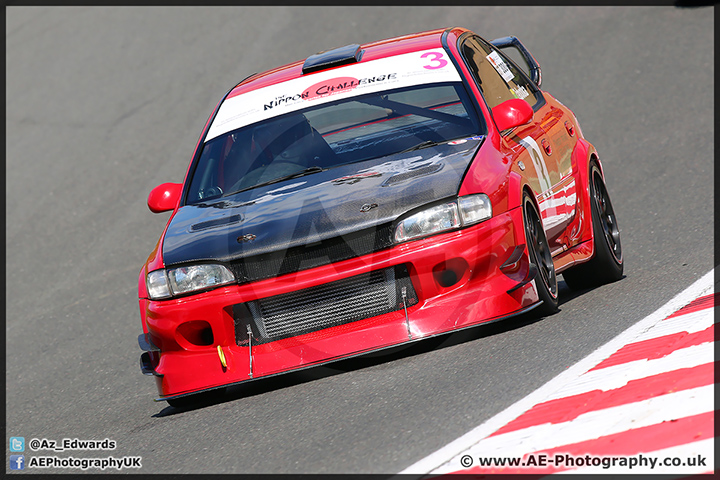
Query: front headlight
x=474 y=208
x=157 y=285
x=467 y=210
x=433 y=220
x=177 y=281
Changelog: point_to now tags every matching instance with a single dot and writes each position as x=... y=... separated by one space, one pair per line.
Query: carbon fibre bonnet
x=319 y=208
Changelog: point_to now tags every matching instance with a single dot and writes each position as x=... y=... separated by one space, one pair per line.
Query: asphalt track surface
x=105 y=103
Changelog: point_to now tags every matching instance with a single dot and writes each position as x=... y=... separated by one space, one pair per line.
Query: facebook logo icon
x=17 y=462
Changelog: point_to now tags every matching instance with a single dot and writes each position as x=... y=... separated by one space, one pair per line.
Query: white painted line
x=618 y=376
x=590 y=426
x=690 y=322
x=701 y=287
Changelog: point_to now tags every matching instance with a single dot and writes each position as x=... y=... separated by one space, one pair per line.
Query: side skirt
x=580 y=253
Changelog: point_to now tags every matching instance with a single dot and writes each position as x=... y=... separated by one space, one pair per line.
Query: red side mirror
x=164 y=197
x=512 y=113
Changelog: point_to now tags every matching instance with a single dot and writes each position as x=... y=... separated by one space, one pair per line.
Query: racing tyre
x=607 y=264
x=539 y=253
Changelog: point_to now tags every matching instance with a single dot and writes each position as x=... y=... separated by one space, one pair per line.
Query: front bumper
x=459 y=279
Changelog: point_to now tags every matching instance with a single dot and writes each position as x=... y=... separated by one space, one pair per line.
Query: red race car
x=366 y=197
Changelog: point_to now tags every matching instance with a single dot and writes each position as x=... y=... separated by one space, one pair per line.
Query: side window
x=498 y=79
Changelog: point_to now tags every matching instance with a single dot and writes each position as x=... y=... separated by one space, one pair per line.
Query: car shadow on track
x=265 y=385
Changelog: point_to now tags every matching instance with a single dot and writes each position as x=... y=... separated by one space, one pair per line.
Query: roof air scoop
x=332 y=58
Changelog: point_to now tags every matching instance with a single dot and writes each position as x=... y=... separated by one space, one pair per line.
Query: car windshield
x=335 y=133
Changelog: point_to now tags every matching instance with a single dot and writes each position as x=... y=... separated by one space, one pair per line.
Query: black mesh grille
x=328 y=251
x=315 y=308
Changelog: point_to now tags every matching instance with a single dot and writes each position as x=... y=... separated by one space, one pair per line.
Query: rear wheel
x=607 y=264
x=539 y=253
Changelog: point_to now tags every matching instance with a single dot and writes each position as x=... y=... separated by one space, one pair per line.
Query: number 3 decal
x=435 y=57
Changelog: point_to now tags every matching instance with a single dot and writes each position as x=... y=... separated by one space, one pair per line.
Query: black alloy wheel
x=539 y=253
x=606 y=217
x=606 y=266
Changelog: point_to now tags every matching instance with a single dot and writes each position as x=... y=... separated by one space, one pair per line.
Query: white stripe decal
x=538 y=162
x=415 y=68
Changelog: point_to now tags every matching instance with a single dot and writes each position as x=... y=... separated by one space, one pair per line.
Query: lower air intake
x=315 y=308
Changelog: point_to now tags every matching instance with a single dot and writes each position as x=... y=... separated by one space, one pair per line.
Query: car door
x=545 y=163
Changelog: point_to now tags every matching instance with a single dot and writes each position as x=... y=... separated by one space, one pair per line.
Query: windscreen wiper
x=301 y=173
x=425 y=144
